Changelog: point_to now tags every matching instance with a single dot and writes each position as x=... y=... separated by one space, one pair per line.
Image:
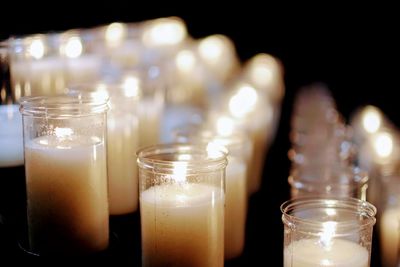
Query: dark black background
x=353 y=49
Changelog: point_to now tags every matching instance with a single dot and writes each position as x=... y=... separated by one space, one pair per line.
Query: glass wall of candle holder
x=82 y=61
x=389 y=222
x=327 y=232
x=238 y=146
x=340 y=181
x=122 y=142
x=12 y=171
x=253 y=113
x=150 y=84
x=182 y=204
x=66 y=174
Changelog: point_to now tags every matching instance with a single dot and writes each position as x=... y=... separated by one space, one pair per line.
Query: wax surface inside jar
x=67 y=194
x=182 y=225
x=312 y=253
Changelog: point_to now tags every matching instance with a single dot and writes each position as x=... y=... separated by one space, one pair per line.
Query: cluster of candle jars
x=91 y=98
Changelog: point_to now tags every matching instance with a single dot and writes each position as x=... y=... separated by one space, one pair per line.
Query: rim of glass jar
x=196 y=133
x=60 y=106
x=360 y=178
x=361 y=208
x=146 y=160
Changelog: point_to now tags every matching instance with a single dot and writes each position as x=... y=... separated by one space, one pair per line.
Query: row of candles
x=90 y=98
x=332 y=159
x=164 y=86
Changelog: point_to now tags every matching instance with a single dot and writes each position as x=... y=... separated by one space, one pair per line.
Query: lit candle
x=389 y=235
x=327 y=232
x=182 y=205
x=81 y=65
x=66 y=174
x=67 y=194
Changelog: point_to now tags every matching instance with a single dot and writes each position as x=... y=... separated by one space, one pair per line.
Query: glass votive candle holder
x=327 y=232
x=122 y=142
x=182 y=204
x=325 y=181
x=238 y=146
x=66 y=174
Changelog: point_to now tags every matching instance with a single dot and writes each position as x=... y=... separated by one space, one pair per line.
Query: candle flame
x=383 y=145
x=225 y=126
x=73 y=47
x=185 y=60
x=212 y=48
x=131 y=86
x=115 y=33
x=262 y=70
x=165 y=31
x=180 y=171
x=36 y=49
x=243 y=102
x=371 y=119
x=328 y=232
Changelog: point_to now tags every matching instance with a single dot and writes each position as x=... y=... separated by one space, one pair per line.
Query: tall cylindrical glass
x=182 y=205
x=238 y=146
x=66 y=174
x=327 y=232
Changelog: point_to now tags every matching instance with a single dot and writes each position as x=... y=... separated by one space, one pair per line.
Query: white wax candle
x=389 y=233
x=235 y=208
x=11 y=143
x=312 y=253
x=182 y=225
x=67 y=194
x=122 y=144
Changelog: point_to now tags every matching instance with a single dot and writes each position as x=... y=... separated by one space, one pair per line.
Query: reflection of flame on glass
x=179 y=171
x=383 y=144
x=165 y=31
x=371 y=119
x=73 y=47
x=243 y=102
x=131 y=86
x=115 y=33
x=36 y=49
x=185 y=60
x=328 y=232
x=225 y=126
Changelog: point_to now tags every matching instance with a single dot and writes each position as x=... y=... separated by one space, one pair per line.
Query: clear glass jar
x=182 y=205
x=327 y=232
x=122 y=142
x=238 y=146
x=66 y=174
x=335 y=181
